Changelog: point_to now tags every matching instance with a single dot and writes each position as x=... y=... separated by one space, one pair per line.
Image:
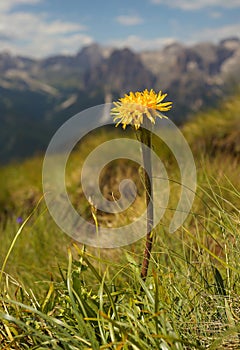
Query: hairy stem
x=146 y=140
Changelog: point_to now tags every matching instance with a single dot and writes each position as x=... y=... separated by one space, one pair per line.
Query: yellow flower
x=132 y=108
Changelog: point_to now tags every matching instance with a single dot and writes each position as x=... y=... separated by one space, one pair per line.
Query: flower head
x=19 y=220
x=132 y=108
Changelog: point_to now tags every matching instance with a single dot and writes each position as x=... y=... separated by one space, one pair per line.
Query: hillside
x=57 y=294
x=212 y=135
x=216 y=131
x=37 y=96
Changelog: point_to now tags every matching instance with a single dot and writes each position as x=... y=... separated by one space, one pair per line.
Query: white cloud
x=215 y=14
x=198 y=4
x=216 y=34
x=129 y=20
x=35 y=35
x=7 y=5
x=138 y=43
x=60 y=27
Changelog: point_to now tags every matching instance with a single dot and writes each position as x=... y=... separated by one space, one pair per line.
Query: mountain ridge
x=46 y=92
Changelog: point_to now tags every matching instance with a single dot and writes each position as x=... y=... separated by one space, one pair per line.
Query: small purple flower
x=19 y=220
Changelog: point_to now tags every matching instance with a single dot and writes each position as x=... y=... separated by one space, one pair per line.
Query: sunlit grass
x=189 y=301
x=59 y=295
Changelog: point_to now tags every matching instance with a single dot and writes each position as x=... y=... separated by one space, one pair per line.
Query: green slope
x=216 y=130
x=213 y=136
x=191 y=297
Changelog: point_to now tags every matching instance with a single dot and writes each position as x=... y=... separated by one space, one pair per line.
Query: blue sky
x=40 y=28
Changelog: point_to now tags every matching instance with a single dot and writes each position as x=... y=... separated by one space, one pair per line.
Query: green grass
x=56 y=294
x=189 y=301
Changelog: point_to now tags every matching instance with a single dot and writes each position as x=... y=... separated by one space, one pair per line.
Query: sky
x=40 y=28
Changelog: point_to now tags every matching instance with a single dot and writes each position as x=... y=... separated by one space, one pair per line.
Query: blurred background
x=58 y=58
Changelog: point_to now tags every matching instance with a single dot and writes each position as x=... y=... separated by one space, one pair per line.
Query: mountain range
x=37 y=96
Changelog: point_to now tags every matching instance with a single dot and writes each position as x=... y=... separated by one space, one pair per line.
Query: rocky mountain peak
x=90 y=56
x=47 y=92
x=122 y=71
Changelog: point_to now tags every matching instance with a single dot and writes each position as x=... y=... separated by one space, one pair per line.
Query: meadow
x=58 y=294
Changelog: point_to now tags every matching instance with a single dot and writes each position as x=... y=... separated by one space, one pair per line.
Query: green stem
x=15 y=239
x=146 y=140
